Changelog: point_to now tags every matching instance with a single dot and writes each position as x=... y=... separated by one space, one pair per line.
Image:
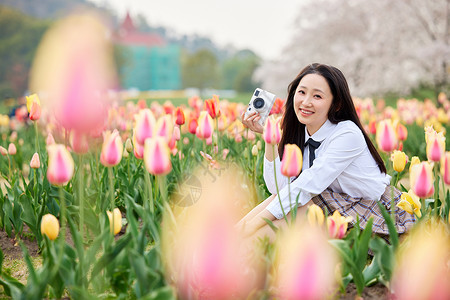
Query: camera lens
x=258 y=103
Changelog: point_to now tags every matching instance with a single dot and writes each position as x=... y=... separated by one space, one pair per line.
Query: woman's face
x=312 y=100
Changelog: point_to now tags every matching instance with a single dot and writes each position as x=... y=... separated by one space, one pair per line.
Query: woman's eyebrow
x=317 y=90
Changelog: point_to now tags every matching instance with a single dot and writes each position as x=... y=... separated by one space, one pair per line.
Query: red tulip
x=212 y=107
x=179 y=116
x=193 y=126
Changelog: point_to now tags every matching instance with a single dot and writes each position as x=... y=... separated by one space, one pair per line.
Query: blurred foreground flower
x=291 y=165
x=445 y=168
x=12 y=150
x=304 y=268
x=145 y=125
x=422 y=270
x=117 y=220
x=421 y=179
x=179 y=116
x=202 y=249
x=315 y=215
x=50 y=226
x=60 y=164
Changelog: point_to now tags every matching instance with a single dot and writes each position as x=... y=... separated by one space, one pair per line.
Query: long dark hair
x=341 y=109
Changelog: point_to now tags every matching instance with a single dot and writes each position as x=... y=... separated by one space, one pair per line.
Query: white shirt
x=343 y=164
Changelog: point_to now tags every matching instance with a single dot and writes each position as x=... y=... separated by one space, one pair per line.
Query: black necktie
x=313 y=145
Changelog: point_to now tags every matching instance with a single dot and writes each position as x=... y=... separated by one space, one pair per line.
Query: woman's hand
x=251 y=121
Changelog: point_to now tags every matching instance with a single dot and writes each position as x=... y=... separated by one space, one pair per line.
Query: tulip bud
x=13 y=136
x=445 y=168
x=192 y=126
x=272 y=134
x=3 y=151
x=259 y=145
x=50 y=226
x=225 y=153
x=145 y=123
x=164 y=127
x=35 y=112
x=421 y=180
x=35 y=162
x=435 y=146
x=112 y=149
x=12 y=150
x=414 y=161
x=117 y=221
x=212 y=107
x=402 y=132
x=315 y=215
x=179 y=116
x=128 y=145
x=50 y=140
x=292 y=161
x=205 y=126
x=176 y=133
x=32 y=99
x=60 y=164
x=373 y=126
x=386 y=136
x=255 y=150
x=157 y=156
x=399 y=160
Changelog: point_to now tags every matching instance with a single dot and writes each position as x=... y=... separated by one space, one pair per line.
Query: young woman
x=341 y=170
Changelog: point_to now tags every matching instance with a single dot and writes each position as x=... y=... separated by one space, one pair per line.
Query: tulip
x=315 y=215
x=3 y=151
x=292 y=161
x=386 y=136
x=337 y=225
x=12 y=150
x=373 y=126
x=164 y=127
x=179 y=116
x=138 y=149
x=128 y=145
x=445 y=168
x=145 y=125
x=50 y=226
x=399 y=160
x=205 y=126
x=35 y=162
x=212 y=107
x=304 y=268
x=176 y=133
x=117 y=221
x=13 y=136
x=410 y=203
x=79 y=142
x=35 y=112
x=255 y=150
x=414 y=161
x=60 y=164
x=193 y=126
x=421 y=180
x=272 y=134
x=34 y=98
x=435 y=146
x=50 y=140
x=157 y=156
x=112 y=149
x=402 y=132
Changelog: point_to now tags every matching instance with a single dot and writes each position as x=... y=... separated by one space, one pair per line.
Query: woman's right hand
x=251 y=121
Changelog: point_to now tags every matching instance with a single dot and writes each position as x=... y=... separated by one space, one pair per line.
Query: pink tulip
x=145 y=125
x=164 y=127
x=435 y=146
x=272 y=133
x=292 y=162
x=3 y=151
x=386 y=136
x=225 y=153
x=176 y=133
x=35 y=112
x=60 y=164
x=205 y=126
x=337 y=225
x=402 y=132
x=138 y=149
x=79 y=142
x=35 y=162
x=157 y=156
x=421 y=179
x=112 y=149
x=50 y=140
x=445 y=168
x=12 y=150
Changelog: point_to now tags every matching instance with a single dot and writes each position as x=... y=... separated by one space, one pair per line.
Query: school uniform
x=343 y=176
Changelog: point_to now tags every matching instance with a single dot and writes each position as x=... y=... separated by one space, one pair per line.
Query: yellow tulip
x=292 y=161
x=399 y=160
x=117 y=220
x=315 y=215
x=414 y=161
x=50 y=226
x=410 y=203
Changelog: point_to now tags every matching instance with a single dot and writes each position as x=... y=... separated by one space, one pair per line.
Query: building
x=151 y=62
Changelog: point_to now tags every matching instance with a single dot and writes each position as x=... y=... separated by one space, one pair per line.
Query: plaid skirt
x=364 y=209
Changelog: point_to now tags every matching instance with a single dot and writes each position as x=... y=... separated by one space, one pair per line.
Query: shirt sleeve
x=342 y=150
x=269 y=176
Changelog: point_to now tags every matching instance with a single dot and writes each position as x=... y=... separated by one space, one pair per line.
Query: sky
x=264 y=26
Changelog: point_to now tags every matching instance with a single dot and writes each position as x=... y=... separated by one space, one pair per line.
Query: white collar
x=322 y=133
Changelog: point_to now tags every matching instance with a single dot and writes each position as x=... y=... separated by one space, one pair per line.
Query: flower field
x=145 y=208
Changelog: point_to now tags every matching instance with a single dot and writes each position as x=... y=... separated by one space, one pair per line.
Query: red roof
x=128 y=35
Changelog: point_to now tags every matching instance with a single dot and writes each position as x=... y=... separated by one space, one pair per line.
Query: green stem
x=36 y=136
x=276 y=184
x=80 y=195
x=436 y=188
x=148 y=201
x=392 y=205
x=218 y=134
x=111 y=195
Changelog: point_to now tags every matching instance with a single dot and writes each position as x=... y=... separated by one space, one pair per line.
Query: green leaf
x=271 y=225
x=362 y=246
x=393 y=234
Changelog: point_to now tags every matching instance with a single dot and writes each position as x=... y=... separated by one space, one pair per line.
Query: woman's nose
x=307 y=100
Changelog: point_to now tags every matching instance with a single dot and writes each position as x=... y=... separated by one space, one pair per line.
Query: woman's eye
x=318 y=96
x=301 y=92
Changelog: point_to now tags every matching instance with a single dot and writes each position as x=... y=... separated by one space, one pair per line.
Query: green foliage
x=238 y=70
x=200 y=69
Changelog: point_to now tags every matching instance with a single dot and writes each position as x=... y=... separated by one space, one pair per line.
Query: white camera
x=261 y=102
